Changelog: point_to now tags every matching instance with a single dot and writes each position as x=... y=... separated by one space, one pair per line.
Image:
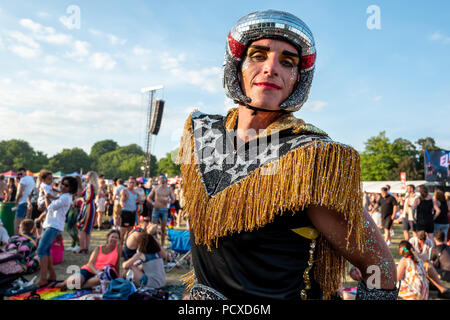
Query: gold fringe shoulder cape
x=317 y=174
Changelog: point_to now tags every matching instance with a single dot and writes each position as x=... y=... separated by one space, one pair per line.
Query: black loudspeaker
x=156 y=118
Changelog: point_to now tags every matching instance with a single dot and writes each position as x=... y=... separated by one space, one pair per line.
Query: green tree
x=383 y=160
x=100 y=148
x=124 y=162
x=166 y=165
x=70 y=160
x=17 y=153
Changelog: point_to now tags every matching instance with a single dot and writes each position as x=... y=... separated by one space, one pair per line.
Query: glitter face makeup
x=269 y=72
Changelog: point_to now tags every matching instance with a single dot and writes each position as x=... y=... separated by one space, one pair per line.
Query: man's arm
x=151 y=196
x=123 y=197
x=333 y=227
x=394 y=212
x=19 y=193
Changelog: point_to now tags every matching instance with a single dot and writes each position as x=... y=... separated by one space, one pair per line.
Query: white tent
x=396 y=186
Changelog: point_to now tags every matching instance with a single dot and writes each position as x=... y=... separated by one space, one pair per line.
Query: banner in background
x=437 y=165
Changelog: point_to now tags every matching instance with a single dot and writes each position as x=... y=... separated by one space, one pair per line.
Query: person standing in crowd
x=424 y=206
x=440 y=256
x=12 y=189
x=4 y=193
x=441 y=213
x=161 y=197
x=26 y=185
x=117 y=211
x=53 y=226
x=72 y=216
x=388 y=207
x=412 y=274
x=86 y=217
x=100 y=202
x=128 y=201
x=288 y=198
x=141 y=199
x=408 y=223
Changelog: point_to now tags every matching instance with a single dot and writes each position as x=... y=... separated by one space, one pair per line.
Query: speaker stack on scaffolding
x=155 y=109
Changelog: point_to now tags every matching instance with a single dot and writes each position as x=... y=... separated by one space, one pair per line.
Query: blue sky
x=64 y=87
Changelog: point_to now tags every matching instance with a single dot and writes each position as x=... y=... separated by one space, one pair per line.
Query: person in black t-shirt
x=440 y=256
x=388 y=208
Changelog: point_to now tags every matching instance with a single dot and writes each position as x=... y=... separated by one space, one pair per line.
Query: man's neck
x=249 y=125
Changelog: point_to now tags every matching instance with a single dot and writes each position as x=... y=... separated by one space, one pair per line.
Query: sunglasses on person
x=65 y=185
x=146 y=220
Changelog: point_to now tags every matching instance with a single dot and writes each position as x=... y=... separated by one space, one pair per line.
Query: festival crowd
x=136 y=212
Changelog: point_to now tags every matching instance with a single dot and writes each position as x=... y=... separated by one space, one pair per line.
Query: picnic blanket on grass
x=53 y=294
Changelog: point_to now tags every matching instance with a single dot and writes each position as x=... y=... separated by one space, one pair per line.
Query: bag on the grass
x=9 y=263
x=119 y=289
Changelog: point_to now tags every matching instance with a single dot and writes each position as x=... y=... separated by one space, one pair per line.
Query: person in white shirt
x=24 y=189
x=408 y=223
x=53 y=226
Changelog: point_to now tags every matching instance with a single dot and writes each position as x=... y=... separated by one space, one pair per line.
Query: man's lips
x=267 y=85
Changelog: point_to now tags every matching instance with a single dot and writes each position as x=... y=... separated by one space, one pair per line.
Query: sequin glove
x=364 y=293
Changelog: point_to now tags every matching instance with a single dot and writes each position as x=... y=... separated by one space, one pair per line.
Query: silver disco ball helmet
x=274 y=25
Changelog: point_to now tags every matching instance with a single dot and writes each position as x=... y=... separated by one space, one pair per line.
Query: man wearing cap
x=274 y=203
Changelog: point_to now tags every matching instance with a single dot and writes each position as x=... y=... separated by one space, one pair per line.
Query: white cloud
x=102 y=60
x=46 y=34
x=207 y=78
x=315 y=106
x=24 y=52
x=80 y=49
x=169 y=62
x=23 y=39
x=139 y=51
x=438 y=36
x=116 y=40
x=377 y=98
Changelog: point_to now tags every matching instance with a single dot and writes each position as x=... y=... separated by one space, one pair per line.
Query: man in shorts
x=26 y=185
x=129 y=199
x=388 y=206
x=161 y=197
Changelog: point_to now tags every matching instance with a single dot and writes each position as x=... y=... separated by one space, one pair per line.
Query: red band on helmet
x=308 y=61
x=237 y=49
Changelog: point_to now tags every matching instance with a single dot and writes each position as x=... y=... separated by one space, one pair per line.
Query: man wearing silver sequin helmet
x=274 y=203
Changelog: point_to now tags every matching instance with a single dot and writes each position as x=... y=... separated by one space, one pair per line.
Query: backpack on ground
x=119 y=289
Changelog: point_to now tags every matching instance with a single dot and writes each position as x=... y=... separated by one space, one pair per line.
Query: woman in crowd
x=147 y=264
x=441 y=215
x=53 y=226
x=424 y=206
x=412 y=274
x=71 y=225
x=100 y=202
x=87 y=212
x=134 y=238
x=12 y=189
x=104 y=259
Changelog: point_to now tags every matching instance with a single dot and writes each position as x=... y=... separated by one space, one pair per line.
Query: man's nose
x=271 y=66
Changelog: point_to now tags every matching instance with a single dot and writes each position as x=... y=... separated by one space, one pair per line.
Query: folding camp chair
x=180 y=243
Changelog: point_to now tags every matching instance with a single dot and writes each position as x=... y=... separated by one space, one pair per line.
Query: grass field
x=174 y=283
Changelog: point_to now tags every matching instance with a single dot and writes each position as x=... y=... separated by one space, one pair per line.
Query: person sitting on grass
x=103 y=259
x=25 y=244
x=134 y=238
x=53 y=226
x=146 y=265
